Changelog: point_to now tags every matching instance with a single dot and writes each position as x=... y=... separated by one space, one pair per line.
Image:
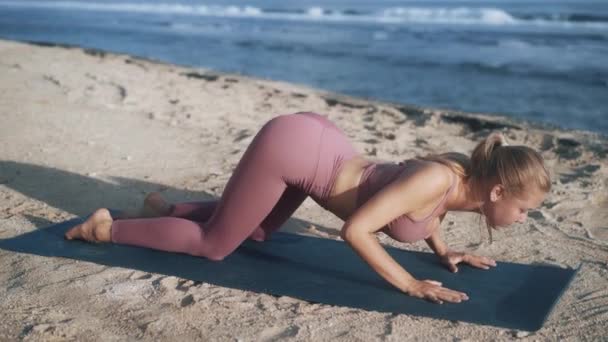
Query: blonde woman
x=304 y=154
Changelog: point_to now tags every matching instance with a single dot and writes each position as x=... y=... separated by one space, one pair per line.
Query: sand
x=82 y=129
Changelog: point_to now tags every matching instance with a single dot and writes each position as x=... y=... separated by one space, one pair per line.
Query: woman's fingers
x=433 y=298
x=438 y=294
x=479 y=261
x=479 y=264
x=434 y=282
x=452 y=296
x=488 y=261
x=441 y=296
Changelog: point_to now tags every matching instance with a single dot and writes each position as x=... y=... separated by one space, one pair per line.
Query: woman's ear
x=497 y=192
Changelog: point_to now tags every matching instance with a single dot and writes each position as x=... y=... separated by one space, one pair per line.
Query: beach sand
x=82 y=129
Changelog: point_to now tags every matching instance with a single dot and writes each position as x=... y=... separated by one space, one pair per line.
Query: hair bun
x=496 y=139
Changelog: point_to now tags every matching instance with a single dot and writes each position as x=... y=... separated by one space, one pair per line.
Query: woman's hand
x=451 y=259
x=433 y=291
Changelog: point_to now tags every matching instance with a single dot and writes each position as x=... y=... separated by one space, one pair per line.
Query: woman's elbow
x=345 y=234
x=350 y=234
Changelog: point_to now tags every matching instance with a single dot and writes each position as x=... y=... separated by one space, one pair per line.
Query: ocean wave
x=589 y=76
x=428 y=15
x=490 y=16
x=563 y=17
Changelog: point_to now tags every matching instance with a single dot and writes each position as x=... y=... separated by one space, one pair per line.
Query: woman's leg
x=289 y=202
x=193 y=211
x=285 y=149
x=155 y=206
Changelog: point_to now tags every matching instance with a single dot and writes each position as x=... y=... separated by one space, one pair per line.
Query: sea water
x=538 y=60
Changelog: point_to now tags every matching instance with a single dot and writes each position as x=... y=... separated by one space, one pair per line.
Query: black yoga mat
x=325 y=271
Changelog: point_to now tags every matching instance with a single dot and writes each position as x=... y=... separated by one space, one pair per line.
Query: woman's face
x=502 y=209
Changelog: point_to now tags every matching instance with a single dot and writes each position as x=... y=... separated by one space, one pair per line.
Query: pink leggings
x=292 y=157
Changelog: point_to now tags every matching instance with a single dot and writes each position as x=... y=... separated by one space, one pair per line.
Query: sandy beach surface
x=82 y=129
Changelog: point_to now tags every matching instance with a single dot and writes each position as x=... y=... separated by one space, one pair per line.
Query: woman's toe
x=72 y=233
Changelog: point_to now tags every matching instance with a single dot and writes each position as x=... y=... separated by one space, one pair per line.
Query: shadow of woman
x=80 y=195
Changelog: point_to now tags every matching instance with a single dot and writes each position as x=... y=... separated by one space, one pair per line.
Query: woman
x=304 y=154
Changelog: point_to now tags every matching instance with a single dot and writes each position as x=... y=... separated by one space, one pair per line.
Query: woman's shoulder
x=432 y=173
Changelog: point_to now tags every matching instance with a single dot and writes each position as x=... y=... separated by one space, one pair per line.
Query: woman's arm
x=402 y=196
x=370 y=250
x=434 y=241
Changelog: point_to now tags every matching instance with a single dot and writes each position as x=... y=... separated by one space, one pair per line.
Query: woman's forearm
x=367 y=246
x=436 y=244
x=370 y=250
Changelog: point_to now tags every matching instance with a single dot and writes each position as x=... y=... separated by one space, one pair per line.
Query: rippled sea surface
x=539 y=60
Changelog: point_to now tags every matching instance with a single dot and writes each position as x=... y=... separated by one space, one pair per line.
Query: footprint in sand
x=187 y=301
x=278 y=333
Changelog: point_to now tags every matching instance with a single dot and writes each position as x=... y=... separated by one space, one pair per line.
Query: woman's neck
x=463 y=197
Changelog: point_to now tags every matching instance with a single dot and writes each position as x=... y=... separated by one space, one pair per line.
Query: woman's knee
x=217 y=256
x=216 y=253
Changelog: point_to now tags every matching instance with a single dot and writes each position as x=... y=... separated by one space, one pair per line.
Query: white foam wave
x=161 y=8
x=316 y=12
x=491 y=16
x=459 y=15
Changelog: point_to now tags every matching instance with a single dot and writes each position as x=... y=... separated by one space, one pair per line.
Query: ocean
x=537 y=60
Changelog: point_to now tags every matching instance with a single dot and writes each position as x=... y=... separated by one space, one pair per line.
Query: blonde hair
x=517 y=168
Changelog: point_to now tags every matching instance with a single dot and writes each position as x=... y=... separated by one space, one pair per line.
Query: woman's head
x=508 y=180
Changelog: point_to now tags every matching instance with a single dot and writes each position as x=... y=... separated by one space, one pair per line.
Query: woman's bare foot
x=97 y=228
x=154 y=206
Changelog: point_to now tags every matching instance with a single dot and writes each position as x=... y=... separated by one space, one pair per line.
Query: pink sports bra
x=404 y=229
